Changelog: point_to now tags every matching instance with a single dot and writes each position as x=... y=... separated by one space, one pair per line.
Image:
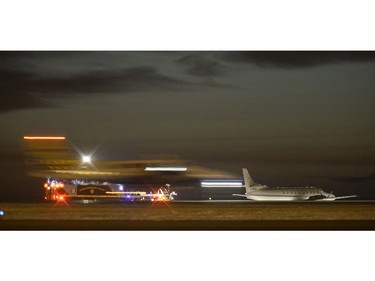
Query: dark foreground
x=190 y=216
x=187 y=225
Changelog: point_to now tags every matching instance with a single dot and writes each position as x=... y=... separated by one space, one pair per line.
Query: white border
x=186 y=255
x=187 y=25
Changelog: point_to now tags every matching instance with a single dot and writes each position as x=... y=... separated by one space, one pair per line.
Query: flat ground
x=237 y=215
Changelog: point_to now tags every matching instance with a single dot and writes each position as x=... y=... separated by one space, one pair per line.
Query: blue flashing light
x=2 y=213
x=128 y=196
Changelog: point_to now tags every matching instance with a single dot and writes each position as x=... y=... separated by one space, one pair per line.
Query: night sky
x=291 y=118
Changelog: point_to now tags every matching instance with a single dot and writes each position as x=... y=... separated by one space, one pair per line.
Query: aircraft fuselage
x=286 y=194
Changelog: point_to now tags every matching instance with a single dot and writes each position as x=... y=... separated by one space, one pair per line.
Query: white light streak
x=220 y=184
x=171 y=169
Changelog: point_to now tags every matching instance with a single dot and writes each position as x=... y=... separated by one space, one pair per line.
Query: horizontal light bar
x=75 y=172
x=174 y=169
x=125 y=192
x=221 y=184
x=43 y=138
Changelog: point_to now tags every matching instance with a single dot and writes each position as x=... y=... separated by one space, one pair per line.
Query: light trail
x=42 y=138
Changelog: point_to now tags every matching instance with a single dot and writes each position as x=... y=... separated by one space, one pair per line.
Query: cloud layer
x=20 y=89
x=200 y=64
x=297 y=59
x=34 y=79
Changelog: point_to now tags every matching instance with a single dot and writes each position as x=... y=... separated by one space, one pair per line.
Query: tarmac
x=189 y=215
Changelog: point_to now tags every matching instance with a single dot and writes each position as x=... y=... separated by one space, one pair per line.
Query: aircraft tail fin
x=249 y=183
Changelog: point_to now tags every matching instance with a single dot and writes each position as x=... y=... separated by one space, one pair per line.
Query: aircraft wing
x=345 y=197
x=239 y=195
x=335 y=198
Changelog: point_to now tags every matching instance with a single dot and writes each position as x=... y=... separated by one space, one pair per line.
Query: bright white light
x=220 y=184
x=174 y=169
x=86 y=159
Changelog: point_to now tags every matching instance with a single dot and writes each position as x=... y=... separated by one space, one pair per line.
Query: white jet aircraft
x=259 y=192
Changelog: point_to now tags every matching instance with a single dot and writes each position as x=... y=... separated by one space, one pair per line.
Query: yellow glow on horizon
x=43 y=138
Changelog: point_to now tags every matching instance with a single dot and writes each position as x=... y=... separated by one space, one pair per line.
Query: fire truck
x=63 y=190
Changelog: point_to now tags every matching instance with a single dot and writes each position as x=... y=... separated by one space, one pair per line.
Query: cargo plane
x=259 y=192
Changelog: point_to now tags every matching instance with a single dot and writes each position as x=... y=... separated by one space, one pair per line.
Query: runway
x=190 y=215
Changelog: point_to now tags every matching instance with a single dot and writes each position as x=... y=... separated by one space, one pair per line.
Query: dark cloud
x=354 y=179
x=32 y=61
x=200 y=65
x=20 y=89
x=11 y=102
x=108 y=81
x=297 y=59
x=14 y=95
x=17 y=58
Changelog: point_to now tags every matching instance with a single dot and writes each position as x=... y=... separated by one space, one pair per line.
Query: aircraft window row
x=299 y=192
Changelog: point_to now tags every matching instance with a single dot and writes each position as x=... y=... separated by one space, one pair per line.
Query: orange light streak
x=43 y=138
